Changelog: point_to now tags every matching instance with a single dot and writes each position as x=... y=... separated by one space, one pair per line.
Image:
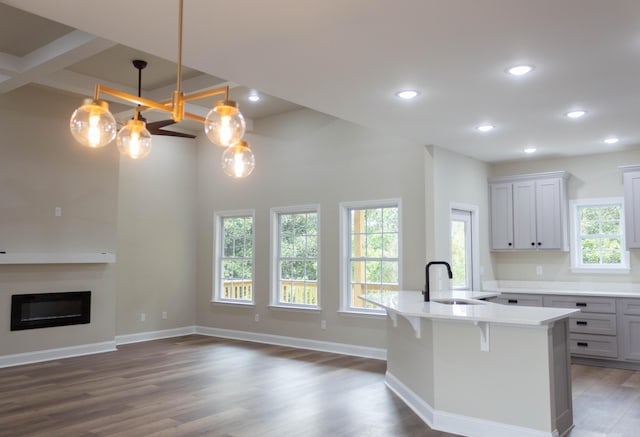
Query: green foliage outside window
x=458 y=254
x=237 y=258
x=298 y=246
x=600 y=235
x=374 y=253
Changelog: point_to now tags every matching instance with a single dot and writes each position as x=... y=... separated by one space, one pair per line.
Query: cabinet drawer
x=530 y=300
x=593 y=345
x=588 y=323
x=586 y=304
x=630 y=306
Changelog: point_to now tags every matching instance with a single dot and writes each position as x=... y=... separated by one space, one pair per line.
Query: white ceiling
x=347 y=58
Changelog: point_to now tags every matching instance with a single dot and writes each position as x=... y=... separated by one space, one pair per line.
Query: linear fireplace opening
x=45 y=310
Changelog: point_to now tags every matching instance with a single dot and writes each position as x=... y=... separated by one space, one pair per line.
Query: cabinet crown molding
x=626 y=168
x=532 y=176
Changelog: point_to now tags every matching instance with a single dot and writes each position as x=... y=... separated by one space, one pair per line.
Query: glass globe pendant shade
x=238 y=160
x=92 y=125
x=134 y=140
x=224 y=124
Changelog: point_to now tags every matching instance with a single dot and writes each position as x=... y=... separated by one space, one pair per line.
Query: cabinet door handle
x=583 y=344
x=533 y=244
x=512 y=301
x=581 y=304
x=581 y=322
x=539 y=243
x=510 y=244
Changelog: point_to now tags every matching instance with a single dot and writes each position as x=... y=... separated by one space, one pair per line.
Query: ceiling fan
x=155 y=127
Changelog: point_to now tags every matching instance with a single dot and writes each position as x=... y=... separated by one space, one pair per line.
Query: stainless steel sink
x=457 y=301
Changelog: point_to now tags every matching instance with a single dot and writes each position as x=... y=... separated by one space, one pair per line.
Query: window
x=295 y=261
x=370 y=252
x=233 y=270
x=598 y=236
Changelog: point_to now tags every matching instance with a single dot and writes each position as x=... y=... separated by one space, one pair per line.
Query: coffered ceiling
x=348 y=58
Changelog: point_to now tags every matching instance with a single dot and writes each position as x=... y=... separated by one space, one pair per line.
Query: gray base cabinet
x=607 y=328
x=630 y=329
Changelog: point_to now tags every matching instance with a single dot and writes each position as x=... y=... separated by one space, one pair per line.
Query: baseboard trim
x=56 y=354
x=154 y=335
x=456 y=423
x=295 y=342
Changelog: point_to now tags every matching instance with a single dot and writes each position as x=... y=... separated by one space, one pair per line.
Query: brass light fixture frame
x=175 y=105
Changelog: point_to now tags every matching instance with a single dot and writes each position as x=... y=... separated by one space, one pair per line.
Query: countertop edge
x=621 y=294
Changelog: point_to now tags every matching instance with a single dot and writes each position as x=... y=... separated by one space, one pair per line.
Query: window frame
x=274 y=257
x=576 y=250
x=345 y=251
x=218 y=241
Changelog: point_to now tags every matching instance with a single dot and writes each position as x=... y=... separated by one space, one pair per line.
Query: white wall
x=42 y=167
x=156 y=238
x=592 y=176
x=303 y=157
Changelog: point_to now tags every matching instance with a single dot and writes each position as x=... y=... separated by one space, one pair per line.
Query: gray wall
x=42 y=167
x=304 y=157
x=463 y=180
x=156 y=238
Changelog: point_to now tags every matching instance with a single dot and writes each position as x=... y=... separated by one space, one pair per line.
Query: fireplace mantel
x=57 y=258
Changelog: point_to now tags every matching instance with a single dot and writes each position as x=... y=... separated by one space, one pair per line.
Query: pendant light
x=92 y=124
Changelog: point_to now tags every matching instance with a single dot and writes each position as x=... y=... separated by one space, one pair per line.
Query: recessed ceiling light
x=611 y=140
x=519 y=70
x=407 y=94
x=253 y=97
x=576 y=114
x=530 y=150
x=485 y=127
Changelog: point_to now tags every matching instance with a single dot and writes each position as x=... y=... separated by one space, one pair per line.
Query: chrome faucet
x=426 y=273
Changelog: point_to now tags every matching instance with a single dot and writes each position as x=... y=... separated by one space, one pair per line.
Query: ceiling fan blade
x=155 y=128
x=155 y=125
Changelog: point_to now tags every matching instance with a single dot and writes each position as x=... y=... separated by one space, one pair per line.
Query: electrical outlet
x=256 y=317
x=143 y=317
x=323 y=324
x=538 y=270
x=164 y=315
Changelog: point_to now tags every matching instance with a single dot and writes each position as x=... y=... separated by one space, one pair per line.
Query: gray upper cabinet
x=632 y=205
x=502 y=216
x=529 y=212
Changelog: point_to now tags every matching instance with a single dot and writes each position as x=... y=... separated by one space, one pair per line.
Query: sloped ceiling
x=348 y=58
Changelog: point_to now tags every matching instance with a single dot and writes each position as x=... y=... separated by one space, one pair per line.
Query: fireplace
x=45 y=310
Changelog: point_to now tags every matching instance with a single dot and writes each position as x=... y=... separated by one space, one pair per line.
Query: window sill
x=295 y=308
x=363 y=314
x=601 y=271
x=233 y=303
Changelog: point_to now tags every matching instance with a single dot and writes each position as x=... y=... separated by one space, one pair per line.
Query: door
x=463 y=250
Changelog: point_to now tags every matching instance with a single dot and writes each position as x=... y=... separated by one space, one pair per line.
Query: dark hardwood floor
x=196 y=385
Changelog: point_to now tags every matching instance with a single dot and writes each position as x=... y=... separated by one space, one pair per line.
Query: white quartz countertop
x=591 y=293
x=411 y=304
x=593 y=289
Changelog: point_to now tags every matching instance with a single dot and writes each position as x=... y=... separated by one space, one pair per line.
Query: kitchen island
x=478 y=368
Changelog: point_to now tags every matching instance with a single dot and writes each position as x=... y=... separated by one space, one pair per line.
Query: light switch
x=58 y=211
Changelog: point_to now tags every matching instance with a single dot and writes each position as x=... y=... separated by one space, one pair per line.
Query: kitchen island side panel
x=410 y=359
x=510 y=383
